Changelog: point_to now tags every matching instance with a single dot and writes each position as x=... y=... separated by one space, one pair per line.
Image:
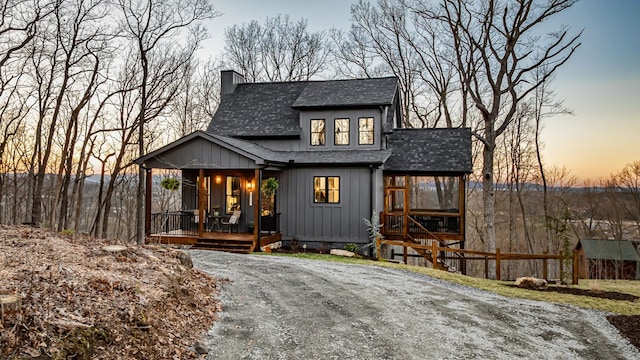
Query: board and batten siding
x=199 y=153
x=331 y=223
x=304 y=143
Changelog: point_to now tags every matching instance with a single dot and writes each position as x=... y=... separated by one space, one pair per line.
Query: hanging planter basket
x=170 y=183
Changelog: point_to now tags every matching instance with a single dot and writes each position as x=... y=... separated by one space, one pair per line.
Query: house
x=608 y=259
x=339 y=154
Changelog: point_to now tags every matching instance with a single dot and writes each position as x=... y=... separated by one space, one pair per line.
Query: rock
x=273 y=246
x=201 y=348
x=185 y=259
x=529 y=282
x=116 y=249
x=340 y=252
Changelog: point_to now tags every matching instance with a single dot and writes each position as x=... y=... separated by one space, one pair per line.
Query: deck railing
x=186 y=223
x=439 y=224
x=174 y=222
x=425 y=230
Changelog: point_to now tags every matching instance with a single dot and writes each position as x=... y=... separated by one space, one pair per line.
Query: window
x=341 y=129
x=207 y=192
x=326 y=189
x=232 y=193
x=317 y=132
x=365 y=131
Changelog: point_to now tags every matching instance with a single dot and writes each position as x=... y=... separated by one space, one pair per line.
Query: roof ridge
x=314 y=81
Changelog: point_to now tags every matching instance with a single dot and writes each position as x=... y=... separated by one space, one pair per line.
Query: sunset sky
x=601 y=83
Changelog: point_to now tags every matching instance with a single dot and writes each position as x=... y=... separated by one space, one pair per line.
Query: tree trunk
x=140 y=235
x=488 y=197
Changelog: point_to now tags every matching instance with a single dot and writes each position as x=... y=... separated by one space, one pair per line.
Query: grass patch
x=504 y=288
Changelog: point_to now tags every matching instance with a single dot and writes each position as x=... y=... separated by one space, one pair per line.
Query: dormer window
x=341 y=132
x=317 y=132
x=365 y=131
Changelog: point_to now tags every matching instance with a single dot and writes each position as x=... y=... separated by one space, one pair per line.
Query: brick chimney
x=229 y=79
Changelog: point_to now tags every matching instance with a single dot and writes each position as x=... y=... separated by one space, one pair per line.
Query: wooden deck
x=221 y=241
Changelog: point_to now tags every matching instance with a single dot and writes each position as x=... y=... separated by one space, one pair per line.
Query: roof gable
x=202 y=150
x=440 y=150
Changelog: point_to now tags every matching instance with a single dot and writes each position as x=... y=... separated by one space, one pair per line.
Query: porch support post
x=462 y=201
x=405 y=228
x=258 y=210
x=147 y=204
x=257 y=205
x=201 y=199
x=576 y=269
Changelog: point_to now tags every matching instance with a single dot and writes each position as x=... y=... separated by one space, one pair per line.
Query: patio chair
x=234 y=220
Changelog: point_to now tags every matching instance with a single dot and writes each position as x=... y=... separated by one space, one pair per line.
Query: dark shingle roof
x=337 y=156
x=259 y=109
x=441 y=150
x=352 y=93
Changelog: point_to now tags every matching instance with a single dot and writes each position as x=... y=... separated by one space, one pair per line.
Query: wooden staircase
x=441 y=264
x=418 y=238
x=240 y=246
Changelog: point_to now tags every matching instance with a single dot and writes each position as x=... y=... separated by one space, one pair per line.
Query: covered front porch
x=204 y=190
x=244 y=242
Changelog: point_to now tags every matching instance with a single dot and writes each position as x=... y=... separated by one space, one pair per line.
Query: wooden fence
x=498 y=257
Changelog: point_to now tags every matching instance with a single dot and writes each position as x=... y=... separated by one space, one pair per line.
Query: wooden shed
x=608 y=259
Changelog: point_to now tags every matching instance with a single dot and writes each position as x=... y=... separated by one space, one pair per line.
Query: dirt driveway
x=285 y=308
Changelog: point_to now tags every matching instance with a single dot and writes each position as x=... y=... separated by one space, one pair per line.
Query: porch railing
x=174 y=222
x=440 y=224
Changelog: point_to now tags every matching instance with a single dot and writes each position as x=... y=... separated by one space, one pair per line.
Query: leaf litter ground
x=79 y=301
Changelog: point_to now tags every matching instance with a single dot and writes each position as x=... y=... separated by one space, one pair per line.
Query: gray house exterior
x=339 y=152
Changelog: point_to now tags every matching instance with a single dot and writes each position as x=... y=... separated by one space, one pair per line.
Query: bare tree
x=18 y=27
x=391 y=38
x=544 y=104
x=628 y=179
x=498 y=49
x=89 y=36
x=279 y=50
x=196 y=101
x=150 y=25
x=614 y=213
x=587 y=222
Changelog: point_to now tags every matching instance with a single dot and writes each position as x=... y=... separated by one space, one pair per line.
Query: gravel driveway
x=286 y=308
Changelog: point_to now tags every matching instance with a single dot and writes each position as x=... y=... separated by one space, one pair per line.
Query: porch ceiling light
x=218 y=179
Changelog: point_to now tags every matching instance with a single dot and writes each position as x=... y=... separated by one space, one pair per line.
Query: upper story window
x=341 y=132
x=365 y=131
x=326 y=189
x=317 y=132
